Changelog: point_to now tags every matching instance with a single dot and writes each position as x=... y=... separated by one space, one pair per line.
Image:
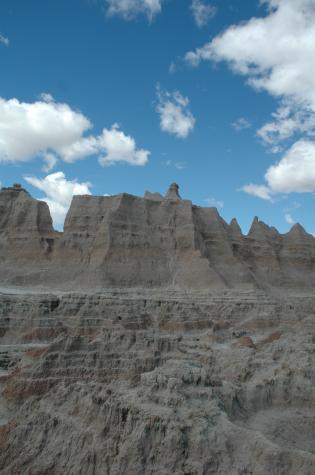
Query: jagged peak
x=235 y=227
x=297 y=230
x=256 y=225
x=173 y=192
x=298 y=227
x=259 y=227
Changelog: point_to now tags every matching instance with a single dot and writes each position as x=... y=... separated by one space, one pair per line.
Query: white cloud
x=58 y=193
x=202 y=12
x=212 y=202
x=112 y=146
x=241 y=124
x=276 y=51
x=29 y=129
x=3 y=40
x=289 y=218
x=50 y=162
x=276 y=54
x=175 y=116
x=295 y=172
x=260 y=191
x=289 y=119
x=46 y=128
x=119 y=147
x=129 y=9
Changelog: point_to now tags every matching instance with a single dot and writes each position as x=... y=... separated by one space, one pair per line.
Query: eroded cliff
x=168 y=342
x=156 y=382
x=127 y=241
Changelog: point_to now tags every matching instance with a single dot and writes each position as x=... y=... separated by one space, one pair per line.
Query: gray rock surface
x=157 y=382
x=26 y=236
x=168 y=342
x=127 y=241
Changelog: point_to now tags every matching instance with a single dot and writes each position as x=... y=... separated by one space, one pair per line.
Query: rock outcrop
x=127 y=241
x=168 y=342
x=21 y=215
x=27 y=236
x=156 y=382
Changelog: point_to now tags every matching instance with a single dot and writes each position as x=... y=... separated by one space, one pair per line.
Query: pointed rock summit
x=173 y=192
x=259 y=228
x=297 y=230
x=235 y=227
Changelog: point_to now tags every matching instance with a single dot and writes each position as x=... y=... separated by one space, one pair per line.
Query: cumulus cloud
x=260 y=191
x=202 y=12
x=49 y=129
x=3 y=40
x=275 y=53
x=58 y=193
x=241 y=124
x=288 y=120
x=175 y=115
x=294 y=173
x=119 y=147
x=129 y=9
x=29 y=129
x=112 y=146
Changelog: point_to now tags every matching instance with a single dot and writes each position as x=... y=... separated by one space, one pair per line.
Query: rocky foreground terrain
x=151 y=337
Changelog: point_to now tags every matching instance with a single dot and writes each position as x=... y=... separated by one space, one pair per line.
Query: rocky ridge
x=151 y=242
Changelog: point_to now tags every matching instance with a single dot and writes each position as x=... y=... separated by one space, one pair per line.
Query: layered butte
x=151 y=242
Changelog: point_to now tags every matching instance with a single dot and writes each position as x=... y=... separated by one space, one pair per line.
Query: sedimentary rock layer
x=156 y=382
x=184 y=354
x=127 y=241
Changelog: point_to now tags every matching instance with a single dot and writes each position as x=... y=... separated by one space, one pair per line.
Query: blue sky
x=105 y=96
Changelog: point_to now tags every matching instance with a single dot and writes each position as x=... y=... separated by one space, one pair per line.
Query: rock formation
x=127 y=241
x=152 y=337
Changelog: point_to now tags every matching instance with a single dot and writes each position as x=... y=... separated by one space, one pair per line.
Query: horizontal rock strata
x=127 y=241
x=151 y=337
x=156 y=382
